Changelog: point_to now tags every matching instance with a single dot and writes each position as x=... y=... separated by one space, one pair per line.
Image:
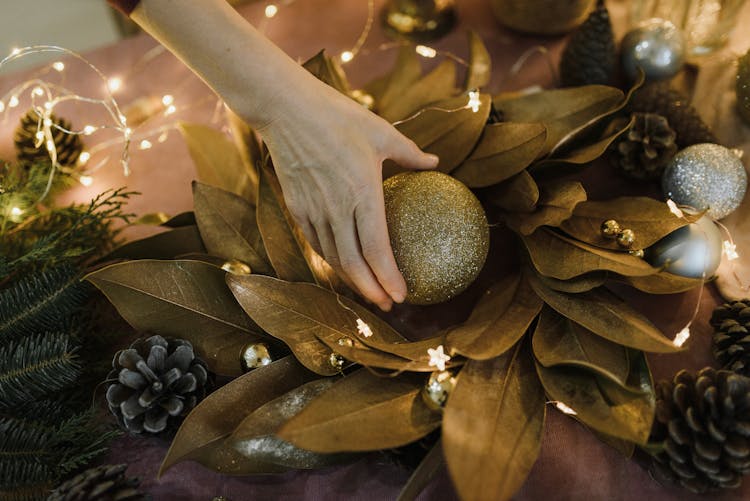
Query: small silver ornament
x=657 y=46
x=691 y=251
x=336 y=361
x=438 y=388
x=255 y=355
x=706 y=176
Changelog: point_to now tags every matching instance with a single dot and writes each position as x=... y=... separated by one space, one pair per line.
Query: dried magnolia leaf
x=437 y=85
x=229 y=228
x=558 y=256
x=518 y=194
x=182 y=219
x=586 y=153
x=249 y=150
x=650 y=220
x=606 y=315
x=499 y=320
x=363 y=412
x=166 y=245
x=451 y=135
x=661 y=283
x=493 y=426
x=423 y=475
x=560 y=110
x=597 y=402
x=392 y=85
x=152 y=219
x=282 y=247
x=505 y=149
x=202 y=436
x=254 y=437
x=479 y=72
x=558 y=341
x=328 y=70
x=216 y=159
x=557 y=199
x=182 y=299
x=583 y=283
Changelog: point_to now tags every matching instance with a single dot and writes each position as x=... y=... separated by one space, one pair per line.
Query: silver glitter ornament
x=706 y=176
x=691 y=251
x=439 y=234
x=657 y=46
x=438 y=388
x=255 y=355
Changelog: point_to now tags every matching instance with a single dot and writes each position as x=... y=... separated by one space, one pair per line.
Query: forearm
x=228 y=53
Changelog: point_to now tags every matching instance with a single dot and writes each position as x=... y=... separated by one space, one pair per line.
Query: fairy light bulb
x=271 y=10
x=474 y=101
x=346 y=56
x=39 y=135
x=565 y=409
x=38 y=91
x=2 y=106
x=13 y=102
x=16 y=211
x=84 y=157
x=114 y=84
x=425 y=51
x=167 y=99
x=86 y=180
x=48 y=105
x=58 y=66
x=730 y=250
x=15 y=51
x=47 y=122
x=145 y=144
x=170 y=109
x=682 y=336
x=50 y=145
x=88 y=130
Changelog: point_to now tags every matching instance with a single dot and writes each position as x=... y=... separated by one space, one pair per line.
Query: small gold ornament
x=336 y=361
x=419 y=20
x=345 y=341
x=637 y=253
x=626 y=238
x=610 y=229
x=438 y=388
x=255 y=355
x=439 y=234
x=236 y=267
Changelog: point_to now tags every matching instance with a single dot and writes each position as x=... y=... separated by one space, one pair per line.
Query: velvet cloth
x=573 y=464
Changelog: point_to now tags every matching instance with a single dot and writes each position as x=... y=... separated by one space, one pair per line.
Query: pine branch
x=36 y=366
x=41 y=302
x=24 y=481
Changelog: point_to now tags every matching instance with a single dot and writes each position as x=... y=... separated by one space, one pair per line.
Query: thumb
x=407 y=154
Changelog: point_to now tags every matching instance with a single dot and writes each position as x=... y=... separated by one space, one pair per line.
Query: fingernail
x=434 y=158
x=397 y=296
x=386 y=306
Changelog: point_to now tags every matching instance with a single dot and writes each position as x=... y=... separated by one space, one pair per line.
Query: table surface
x=573 y=464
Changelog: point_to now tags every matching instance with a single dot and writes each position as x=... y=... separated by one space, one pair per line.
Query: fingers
x=372 y=230
x=406 y=153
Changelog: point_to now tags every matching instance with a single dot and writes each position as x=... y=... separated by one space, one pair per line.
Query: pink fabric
x=573 y=464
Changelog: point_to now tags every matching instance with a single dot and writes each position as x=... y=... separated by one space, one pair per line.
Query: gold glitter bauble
x=255 y=355
x=439 y=234
x=610 y=228
x=626 y=238
x=438 y=388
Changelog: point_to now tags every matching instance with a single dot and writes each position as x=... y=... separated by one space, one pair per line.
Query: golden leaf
x=328 y=71
x=437 y=85
x=499 y=320
x=661 y=283
x=249 y=149
x=392 y=85
x=504 y=150
x=518 y=194
x=557 y=199
x=493 y=426
x=479 y=72
x=202 y=436
x=650 y=220
x=182 y=219
x=451 y=135
x=558 y=256
x=217 y=161
x=166 y=245
x=229 y=228
x=583 y=283
x=363 y=412
x=182 y=299
x=607 y=316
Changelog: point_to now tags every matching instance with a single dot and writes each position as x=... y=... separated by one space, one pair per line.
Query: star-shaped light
x=438 y=357
x=363 y=328
x=474 y=102
x=730 y=250
x=682 y=336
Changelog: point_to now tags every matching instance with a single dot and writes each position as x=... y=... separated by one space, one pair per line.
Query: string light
x=38 y=91
x=363 y=328
x=474 y=102
x=170 y=109
x=682 y=336
x=88 y=130
x=15 y=211
x=346 y=56
x=15 y=51
x=48 y=105
x=13 y=101
x=271 y=11
x=425 y=51
x=86 y=180
x=58 y=66
x=565 y=409
x=675 y=209
x=84 y=157
x=145 y=144
x=163 y=137
x=167 y=99
x=114 y=84
x=438 y=357
x=730 y=250
x=2 y=106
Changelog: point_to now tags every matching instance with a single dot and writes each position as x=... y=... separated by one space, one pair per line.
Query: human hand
x=328 y=153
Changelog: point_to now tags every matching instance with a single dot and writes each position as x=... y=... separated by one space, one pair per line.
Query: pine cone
x=682 y=117
x=158 y=383
x=103 y=483
x=590 y=56
x=644 y=151
x=703 y=422
x=731 y=341
x=742 y=86
x=68 y=146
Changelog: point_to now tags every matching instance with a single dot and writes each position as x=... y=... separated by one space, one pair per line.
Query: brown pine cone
x=68 y=146
x=103 y=483
x=703 y=423
x=590 y=56
x=731 y=341
x=645 y=150
x=682 y=117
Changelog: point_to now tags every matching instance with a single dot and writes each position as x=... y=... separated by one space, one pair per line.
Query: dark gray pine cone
x=68 y=146
x=590 y=56
x=731 y=341
x=645 y=150
x=703 y=421
x=682 y=117
x=158 y=382
x=102 y=483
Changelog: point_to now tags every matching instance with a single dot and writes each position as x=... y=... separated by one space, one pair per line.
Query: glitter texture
x=706 y=176
x=439 y=234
